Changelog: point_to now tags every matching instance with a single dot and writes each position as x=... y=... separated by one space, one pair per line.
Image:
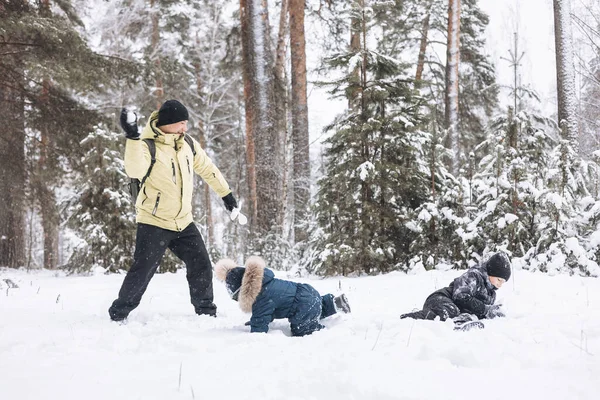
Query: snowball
x=131 y=117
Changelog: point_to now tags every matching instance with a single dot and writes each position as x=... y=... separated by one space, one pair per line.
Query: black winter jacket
x=471 y=292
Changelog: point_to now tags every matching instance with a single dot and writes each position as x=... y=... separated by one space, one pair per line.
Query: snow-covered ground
x=56 y=342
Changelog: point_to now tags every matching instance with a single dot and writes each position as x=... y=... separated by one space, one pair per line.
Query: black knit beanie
x=498 y=265
x=171 y=112
x=233 y=282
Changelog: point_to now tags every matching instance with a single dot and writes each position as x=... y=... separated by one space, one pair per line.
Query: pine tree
x=477 y=89
x=509 y=184
x=374 y=174
x=440 y=225
x=417 y=28
x=557 y=224
x=100 y=209
x=45 y=63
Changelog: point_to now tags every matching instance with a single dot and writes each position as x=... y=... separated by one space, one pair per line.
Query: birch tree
x=565 y=71
x=452 y=77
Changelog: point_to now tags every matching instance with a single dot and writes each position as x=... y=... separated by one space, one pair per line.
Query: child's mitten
x=494 y=311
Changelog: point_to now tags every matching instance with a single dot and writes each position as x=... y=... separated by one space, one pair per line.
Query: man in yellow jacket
x=164 y=206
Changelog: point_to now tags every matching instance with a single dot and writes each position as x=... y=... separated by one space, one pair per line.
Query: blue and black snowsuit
x=269 y=298
x=469 y=293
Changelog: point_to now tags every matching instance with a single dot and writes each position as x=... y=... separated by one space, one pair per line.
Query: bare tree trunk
x=12 y=160
x=43 y=186
x=565 y=71
x=281 y=104
x=355 y=31
x=45 y=192
x=281 y=42
x=249 y=111
x=299 y=120
x=262 y=138
x=452 y=93
x=367 y=193
x=423 y=46
x=155 y=41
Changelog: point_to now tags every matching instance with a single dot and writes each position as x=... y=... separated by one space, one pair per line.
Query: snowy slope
x=65 y=347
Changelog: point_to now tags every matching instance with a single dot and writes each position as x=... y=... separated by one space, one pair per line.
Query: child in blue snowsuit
x=267 y=298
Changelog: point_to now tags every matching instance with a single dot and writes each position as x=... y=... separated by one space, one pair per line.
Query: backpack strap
x=189 y=141
x=152 y=147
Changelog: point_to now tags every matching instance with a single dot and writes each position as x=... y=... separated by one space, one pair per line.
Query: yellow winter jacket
x=165 y=200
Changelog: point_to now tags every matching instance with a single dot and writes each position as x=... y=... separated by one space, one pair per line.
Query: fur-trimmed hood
x=223 y=267
x=255 y=277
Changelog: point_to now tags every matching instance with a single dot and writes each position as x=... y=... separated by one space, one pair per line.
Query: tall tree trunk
x=451 y=103
x=367 y=193
x=45 y=191
x=249 y=110
x=12 y=160
x=423 y=46
x=45 y=176
x=155 y=41
x=261 y=134
x=565 y=71
x=281 y=104
x=299 y=120
x=203 y=143
x=355 y=31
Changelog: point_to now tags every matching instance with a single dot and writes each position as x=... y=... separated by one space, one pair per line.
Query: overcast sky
x=533 y=19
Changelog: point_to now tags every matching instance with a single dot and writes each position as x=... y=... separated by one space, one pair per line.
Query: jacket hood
x=223 y=267
x=255 y=277
x=151 y=131
x=482 y=270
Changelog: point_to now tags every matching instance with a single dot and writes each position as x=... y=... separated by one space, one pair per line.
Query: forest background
x=361 y=136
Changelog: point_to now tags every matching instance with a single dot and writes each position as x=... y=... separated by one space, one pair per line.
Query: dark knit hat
x=498 y=265
x=233 y=282
x=171 y=112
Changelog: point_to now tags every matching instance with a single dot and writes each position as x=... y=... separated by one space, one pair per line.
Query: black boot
x=414 y=315
x=210 y=310
x=341 y=304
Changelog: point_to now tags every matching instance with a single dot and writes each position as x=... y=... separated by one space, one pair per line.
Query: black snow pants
x=150 y=246
x=436 y=305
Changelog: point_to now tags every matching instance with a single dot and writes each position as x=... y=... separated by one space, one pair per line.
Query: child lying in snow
x=258 y=291
x=472 y=293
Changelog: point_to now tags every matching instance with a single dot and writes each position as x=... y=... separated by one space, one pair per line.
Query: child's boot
x=341 y=304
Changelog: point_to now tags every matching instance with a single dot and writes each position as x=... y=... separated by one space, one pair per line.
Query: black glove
x=230 y=202
x=494 y=311
x=130 y=128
